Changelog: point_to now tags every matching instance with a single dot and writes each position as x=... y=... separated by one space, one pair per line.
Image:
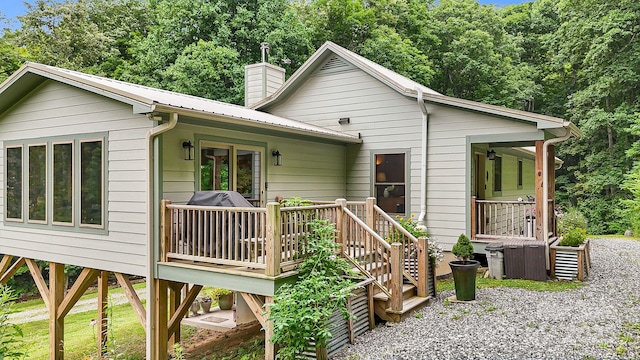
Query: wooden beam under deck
x=87 y=278
x=102 y=319
x=132 y=296
x=39 y=280
x=12 y=270
x=174 y=322
x=56 y=322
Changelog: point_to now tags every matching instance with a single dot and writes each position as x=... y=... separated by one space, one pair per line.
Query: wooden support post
x=161 y=319
x=4 y=264
x=256 y=305
x=175 y=296
x=103 y=319
x=165 y=230
x=539 y=183
x=39 y=280
x=350 y=328
x=132 y=296
x=396 y=276
x=372 y=316
x=173 y=325
x=86 y=278
x=269 y=347
x=423 y=266
x=370 y=213
x=474 y=218
x=341 y=225
x=12 y=270
x=56 y=322
x=580 y=265
x=551 y=186
x=274 y=240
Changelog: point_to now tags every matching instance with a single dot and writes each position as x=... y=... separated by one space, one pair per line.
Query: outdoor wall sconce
x=277 y=157
x=187 y=146
x=491 y=154
x=344 y=121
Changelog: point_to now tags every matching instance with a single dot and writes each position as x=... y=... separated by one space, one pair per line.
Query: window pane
x=214 y=169
x=390 y=182
x=14 y=183
x=497 y=174
x=91 y=166
x=38 y=183
x=63 y=183
x=248 y=182
x=519 y=172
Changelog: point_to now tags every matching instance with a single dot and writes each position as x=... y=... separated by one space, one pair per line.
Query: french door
x=233 y=167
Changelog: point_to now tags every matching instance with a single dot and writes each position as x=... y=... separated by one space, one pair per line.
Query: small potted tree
x=464 y=270
x=224 y=297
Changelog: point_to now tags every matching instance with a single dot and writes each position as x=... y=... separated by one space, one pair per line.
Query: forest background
x=574 y=59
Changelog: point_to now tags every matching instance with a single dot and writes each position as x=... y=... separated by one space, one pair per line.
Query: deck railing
x=274 y=239
x=493 y=219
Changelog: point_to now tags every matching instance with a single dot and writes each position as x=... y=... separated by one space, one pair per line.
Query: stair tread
x=410 y=304
x=383 y=297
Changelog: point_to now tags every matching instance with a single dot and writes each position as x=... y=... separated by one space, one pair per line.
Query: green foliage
x=631 y=207
x=301 y=311
x=463 y=248
x=295 y=201
x=11 y=343
x=571 y=219
x=573 y=237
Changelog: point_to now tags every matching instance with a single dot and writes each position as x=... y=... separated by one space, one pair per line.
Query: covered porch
x=513 y=193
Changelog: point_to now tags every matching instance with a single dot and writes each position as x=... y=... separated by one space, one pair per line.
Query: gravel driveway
x=599 y=321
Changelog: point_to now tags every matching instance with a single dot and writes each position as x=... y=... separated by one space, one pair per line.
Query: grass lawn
x=128 y=340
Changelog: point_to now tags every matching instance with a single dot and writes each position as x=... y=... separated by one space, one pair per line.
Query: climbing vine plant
x=300 y=312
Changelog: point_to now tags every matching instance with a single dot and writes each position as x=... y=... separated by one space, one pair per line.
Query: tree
x=598 y=45
x=87 y=35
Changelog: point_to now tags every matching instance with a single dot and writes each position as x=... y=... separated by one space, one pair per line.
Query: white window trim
x=102 y=184
x=22 y=189
x=73 y=182
x=46 y=182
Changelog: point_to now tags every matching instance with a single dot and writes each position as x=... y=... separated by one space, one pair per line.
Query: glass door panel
x=248 y=178
x=233 y=167
x=214 y=169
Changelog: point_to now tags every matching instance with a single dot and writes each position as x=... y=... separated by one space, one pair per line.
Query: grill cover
x=216 y=236
x=219 y=198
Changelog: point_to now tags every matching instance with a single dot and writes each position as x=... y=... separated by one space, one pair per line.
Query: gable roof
x=404 y=86
x=146 y=99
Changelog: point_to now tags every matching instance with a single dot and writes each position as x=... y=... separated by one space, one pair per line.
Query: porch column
x=551 y=171
x=539 y=189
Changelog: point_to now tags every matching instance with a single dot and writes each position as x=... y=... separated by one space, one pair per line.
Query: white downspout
x=153 y=132
x=423 y=161
x=545 y=188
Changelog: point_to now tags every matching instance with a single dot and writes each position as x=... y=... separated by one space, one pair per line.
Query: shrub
x=11 y=344
x=573 y=237
x=572 y=219
x=463 y=249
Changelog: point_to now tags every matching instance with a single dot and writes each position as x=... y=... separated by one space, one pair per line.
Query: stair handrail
x=379 y=240
x=403 y=231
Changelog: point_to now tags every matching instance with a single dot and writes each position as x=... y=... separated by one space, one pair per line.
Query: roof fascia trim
x=344 y=138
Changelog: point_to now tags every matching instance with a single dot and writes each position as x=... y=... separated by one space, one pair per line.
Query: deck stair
x=394 y=267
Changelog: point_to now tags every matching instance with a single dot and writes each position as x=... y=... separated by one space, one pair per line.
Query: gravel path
x=599 y=321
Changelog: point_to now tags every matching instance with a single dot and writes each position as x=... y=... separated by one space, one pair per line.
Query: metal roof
x=145 y=99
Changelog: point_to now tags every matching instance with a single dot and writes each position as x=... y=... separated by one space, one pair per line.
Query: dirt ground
x=233 y=344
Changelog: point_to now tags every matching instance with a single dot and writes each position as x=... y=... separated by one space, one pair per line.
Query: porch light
x=187 y=146
x=491 y=154
x=277 y=157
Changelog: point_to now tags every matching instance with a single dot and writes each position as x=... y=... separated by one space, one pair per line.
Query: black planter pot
x=464 y=277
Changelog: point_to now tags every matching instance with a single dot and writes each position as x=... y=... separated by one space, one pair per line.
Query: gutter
x=151 y=134
x=423 y=161
x=545 y=187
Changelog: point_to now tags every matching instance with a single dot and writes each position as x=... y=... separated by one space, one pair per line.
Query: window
x=45 y=177
x=63 y=183
x=519 y=173
x=91 y=183
x=497 y=174
x=14 y=183
x=389 y=185
x=37 y=183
